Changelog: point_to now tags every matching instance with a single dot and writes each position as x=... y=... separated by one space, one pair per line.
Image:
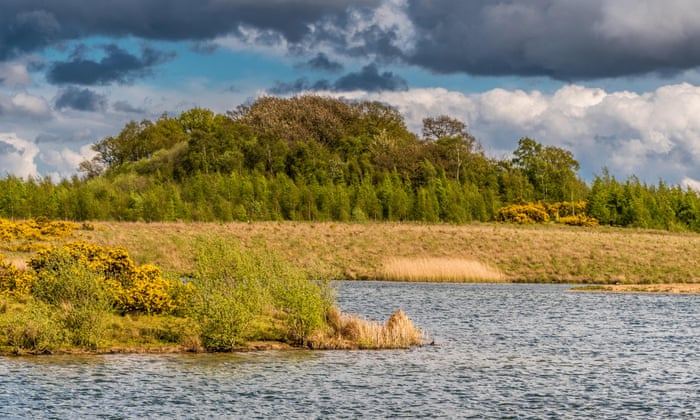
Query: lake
x=510 y=350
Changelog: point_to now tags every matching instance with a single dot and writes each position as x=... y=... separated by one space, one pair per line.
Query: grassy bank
x=72 y=295
x=512 y=253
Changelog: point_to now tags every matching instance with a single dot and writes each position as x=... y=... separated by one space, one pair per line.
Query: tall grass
x=351 y=331
x=438 y=270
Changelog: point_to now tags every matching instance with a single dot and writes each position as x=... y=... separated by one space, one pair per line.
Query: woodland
x=313 y=158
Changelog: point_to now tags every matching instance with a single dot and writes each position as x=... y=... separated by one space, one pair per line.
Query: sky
x=616 y=82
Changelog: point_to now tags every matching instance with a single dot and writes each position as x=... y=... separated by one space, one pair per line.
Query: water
x=518 y=351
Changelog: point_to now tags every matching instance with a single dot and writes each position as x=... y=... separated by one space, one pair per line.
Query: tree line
x=321 y=159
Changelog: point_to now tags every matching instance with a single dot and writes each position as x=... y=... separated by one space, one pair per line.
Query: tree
x=453 y=144
x=551 y=170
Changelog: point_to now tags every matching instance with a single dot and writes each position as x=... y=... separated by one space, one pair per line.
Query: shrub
x=302 y=300
x=78 y=293
x=228 y=293
x=35 y=330
x=566 y=208
x=235 y=286
x=132 y=288
x=39 y=229
x=145 y=290
x=13 y=281
x=523 y=213
x=579 y=220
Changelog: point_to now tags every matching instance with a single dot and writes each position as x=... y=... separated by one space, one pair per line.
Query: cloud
x=368 y=79
x=652 y=135
x=24 y=106
x=31 y=25
x=14 y=75
x=17 y=155
x=118 y=65
x=556 y=38
x=64 y=162
x=80 y=100
x=562 y=39
x=124 y=106
x=692 y=184
x=321 y=62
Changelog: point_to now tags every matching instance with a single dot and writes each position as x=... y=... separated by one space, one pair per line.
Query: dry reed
x=439 y=270
x=353 y=332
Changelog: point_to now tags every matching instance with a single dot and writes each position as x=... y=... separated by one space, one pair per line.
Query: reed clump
x=353 y=332
x=439 y=270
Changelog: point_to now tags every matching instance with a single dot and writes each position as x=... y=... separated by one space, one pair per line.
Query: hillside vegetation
x=313 y=158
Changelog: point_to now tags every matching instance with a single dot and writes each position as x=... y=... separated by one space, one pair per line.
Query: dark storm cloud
x=368 y=79
x=557 y=38
x=322 y=63
x=30 y=25
x=562 y=39
x=118 y=65
x=80 y=100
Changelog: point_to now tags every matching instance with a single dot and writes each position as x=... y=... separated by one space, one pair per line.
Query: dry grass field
x=544 y=253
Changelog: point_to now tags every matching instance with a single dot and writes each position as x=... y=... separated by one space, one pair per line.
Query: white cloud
x=652 y=135
x=17 y=155
x=24 y=105
x=389 y=17
x=65 y=161
x=14 y=75
x=691 y=183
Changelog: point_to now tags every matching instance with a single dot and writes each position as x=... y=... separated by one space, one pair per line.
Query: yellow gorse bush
x=566 y=208
x=13 y=281
x=579 y=220
x=523 y=213
x=39 y=229
x=565 y=212
x=133 y=288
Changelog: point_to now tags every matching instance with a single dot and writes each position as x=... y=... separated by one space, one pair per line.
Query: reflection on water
x=504 y=350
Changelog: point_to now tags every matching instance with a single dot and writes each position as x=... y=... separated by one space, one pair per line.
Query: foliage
x=579 y=220
x=523 y=213
x=13 y=281
x=234 y=287
x=131 y=288
x=32 y=329
x=319 y=158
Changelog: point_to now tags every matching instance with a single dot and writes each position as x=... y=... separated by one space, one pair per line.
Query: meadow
x=475 y=252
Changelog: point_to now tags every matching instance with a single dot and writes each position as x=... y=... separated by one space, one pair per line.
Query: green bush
x=78 y=294
x=304 y=304
x=228 y=294
x=235 y=286
x=34 y=329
